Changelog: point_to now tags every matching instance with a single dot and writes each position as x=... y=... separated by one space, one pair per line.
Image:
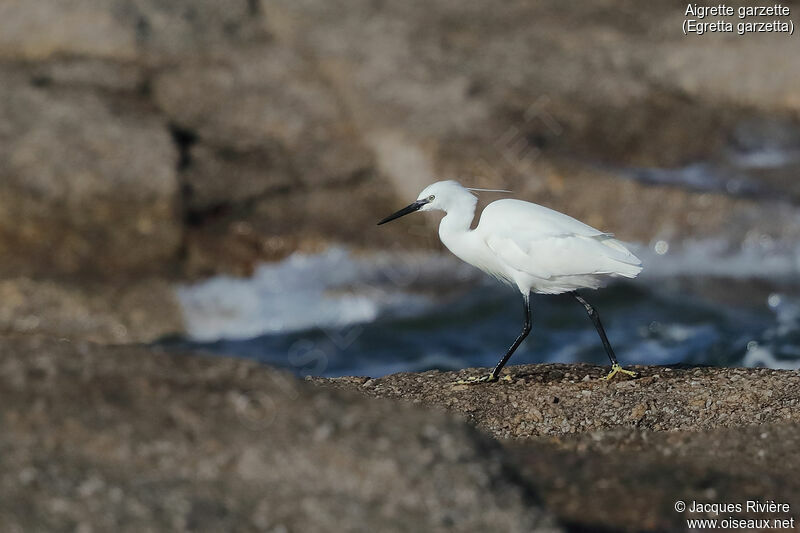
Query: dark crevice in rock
x=184 y=140
x=145 y=88
x=41 y=80
x=143 y=29
x=197 y=217
x=201 y=216
x=199 y=212
x=254 y=7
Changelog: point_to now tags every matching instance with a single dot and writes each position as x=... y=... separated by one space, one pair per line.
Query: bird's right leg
x=494 y=375
x=616 y=368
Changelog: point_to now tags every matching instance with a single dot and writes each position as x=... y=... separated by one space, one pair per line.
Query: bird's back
x=533 y=219
x=551 y=252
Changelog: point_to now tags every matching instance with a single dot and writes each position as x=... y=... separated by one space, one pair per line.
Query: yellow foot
x=617 y=369
x=488 y=378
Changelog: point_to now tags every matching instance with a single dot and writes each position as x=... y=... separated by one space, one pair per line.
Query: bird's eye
x=431 y=198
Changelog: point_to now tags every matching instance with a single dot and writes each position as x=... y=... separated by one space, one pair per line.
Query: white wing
x=548 y=244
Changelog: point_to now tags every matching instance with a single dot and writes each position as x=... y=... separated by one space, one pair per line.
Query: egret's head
x=442 y=195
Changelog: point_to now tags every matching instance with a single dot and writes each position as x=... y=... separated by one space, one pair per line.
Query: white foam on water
x=330 y=289
x=337 y=288
x=776 y=348
x=761 y=258
x=768 y=157
x=760 y=356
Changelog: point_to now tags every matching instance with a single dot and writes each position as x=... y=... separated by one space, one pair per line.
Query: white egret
x=528 y=246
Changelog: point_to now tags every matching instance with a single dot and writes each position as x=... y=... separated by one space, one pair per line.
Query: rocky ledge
x=135 y=439
x=619 y=455
x=559 y=400
x=128 y=439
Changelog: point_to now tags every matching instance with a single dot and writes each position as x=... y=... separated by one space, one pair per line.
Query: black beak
x=406 y=210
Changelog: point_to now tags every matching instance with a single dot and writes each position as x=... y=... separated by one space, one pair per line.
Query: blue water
x=334 y=314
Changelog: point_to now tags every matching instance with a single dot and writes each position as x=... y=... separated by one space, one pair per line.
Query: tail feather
x=615 y=258
x=626 y=264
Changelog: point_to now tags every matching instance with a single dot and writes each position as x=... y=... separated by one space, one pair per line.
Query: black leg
x=525 y=330
x=592 y=312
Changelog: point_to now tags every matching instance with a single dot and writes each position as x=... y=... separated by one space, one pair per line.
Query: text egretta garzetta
x=528 y=246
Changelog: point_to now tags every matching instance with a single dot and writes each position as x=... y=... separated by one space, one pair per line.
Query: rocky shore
x=135 y=439
x=127 y=439
x=618 y=456
x=556 y=399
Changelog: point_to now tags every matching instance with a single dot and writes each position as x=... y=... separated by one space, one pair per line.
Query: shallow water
x=336 y=314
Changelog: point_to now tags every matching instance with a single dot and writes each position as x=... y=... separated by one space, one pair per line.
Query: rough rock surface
x=86 y=188
x=142 y=311
x=125 y=439
x=630 y=479
x=557 y=399
x=618 y=456
x=133 y=439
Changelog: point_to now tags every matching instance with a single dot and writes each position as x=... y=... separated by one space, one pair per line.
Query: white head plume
x=485 y=190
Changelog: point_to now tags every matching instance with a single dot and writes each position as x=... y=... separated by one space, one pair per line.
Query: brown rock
x=125 y=439
x=677 y=399
x=648 y=446
x=85 y=187
x=50 y=28
x=143 y=311
x=270 y=102
x=265 y=109
x=630 y=480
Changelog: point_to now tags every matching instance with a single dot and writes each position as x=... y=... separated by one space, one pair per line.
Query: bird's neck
x=457 y=220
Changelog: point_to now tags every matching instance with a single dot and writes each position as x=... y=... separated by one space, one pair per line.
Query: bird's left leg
x=616 y=368
x=494 y=375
